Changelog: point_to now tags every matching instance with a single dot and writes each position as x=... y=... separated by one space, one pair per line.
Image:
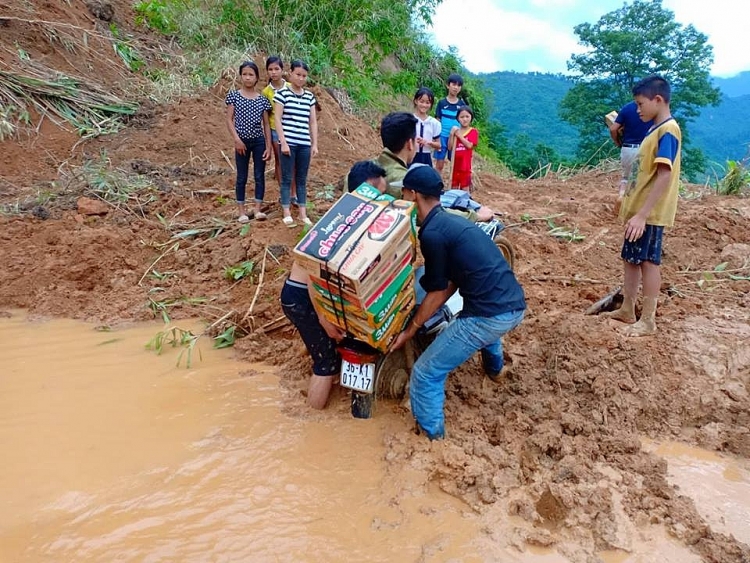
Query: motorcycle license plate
x=359 y=377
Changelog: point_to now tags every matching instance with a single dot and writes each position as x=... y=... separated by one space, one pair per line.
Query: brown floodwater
x=112 y=453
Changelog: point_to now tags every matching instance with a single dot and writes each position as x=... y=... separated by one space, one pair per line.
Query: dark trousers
x=295 y=164
x=254 y=148
x=298 y=308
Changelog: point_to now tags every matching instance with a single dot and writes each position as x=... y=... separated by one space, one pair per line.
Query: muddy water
x=112 y=453
x=719 y=486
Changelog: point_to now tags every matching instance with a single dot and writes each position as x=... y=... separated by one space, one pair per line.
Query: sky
x=537 y=35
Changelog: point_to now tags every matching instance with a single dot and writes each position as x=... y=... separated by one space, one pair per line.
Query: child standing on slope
x=297 y=128
x=247 y=121
x=447 y=112
x=462 y=141
x=275 y=70
x=428 y=128
x=649 y=205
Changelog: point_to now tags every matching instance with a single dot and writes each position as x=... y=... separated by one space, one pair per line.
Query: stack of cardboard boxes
x=359 y=257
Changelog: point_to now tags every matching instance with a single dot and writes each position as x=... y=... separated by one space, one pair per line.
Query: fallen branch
x=344 y=139
x=532 y=219
x=174 y=247
x=276 y=324
x=257 y=289
x=606 y=303
x=703 y=272
x=229 y=162
x=566 y=279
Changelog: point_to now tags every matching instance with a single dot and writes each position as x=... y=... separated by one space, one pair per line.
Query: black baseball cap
x=423 y=179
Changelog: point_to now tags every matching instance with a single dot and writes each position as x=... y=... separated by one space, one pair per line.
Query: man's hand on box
x=335 y=332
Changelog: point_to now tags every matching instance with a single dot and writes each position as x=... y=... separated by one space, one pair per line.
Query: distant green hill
x=738 y=85
x=723 y=132
x=526 y=104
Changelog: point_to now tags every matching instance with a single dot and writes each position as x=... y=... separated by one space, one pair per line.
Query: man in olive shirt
x=398 y=132
x=458 y=255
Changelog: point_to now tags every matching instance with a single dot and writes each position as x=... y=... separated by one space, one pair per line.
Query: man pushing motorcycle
x=458 y=255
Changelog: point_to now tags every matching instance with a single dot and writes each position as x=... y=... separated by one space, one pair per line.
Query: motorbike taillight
x=357 y=356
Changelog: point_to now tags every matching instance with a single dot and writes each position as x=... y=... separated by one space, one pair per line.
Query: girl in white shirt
x=428 y=128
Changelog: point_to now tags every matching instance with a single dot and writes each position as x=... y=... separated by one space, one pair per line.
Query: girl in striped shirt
x=297 y=128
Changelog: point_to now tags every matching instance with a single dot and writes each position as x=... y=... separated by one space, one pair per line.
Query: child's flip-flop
x=243 y=219
x=260 y=216
x=307 y=221
x=288 y=221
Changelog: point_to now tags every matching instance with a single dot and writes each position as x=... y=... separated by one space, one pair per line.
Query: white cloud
x=725 y=22
x=532 y=35
x=487 y=37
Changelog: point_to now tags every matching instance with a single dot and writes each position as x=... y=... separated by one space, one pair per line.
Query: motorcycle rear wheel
x=506 y=247
x=391 y=370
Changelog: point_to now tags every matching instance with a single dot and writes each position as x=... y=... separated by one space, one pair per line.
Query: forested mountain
x=735 y=86
x=526 y=105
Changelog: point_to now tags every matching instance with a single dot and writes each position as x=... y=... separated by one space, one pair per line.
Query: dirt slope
x=557 y=444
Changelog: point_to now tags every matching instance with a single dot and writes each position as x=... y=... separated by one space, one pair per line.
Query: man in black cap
x=458 y=255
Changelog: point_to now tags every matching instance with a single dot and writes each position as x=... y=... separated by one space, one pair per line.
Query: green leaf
x=226 y=338
x=721 y=267
x=245 y=229
x=189 y=233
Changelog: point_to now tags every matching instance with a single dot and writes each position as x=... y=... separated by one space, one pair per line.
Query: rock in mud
x=737 y=254
x=88 y=206
x=101 y=9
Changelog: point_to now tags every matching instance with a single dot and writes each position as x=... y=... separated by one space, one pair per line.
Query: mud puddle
x=719 y=485
x=111 y=452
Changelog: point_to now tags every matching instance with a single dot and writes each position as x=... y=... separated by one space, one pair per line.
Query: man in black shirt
x=457 y=256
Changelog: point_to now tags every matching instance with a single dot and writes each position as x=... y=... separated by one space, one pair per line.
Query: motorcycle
x=372 y=375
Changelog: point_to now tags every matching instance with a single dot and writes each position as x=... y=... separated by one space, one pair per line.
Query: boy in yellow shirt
x=649 y=205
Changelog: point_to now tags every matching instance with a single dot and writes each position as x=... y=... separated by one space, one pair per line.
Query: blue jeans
x=298 y=160
x=254 y=148
x=452 y=347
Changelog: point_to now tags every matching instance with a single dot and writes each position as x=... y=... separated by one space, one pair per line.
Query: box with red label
x=356 y=239
x=391 y=255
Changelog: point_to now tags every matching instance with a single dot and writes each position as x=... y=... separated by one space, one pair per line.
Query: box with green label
x=382 y=336
x=370 y=303
x=340 y=312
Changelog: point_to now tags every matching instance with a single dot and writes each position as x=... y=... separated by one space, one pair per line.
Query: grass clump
x=737 y=178
x=85 y=106
x=176 y=337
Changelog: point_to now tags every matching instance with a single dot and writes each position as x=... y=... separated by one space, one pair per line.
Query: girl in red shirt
x=462 y=141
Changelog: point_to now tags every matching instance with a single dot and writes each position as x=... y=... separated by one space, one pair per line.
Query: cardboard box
x=357 y=326
x=381 y=338
x=391 y=282
x=355 y=238
x=609 y=119
x=373 y=316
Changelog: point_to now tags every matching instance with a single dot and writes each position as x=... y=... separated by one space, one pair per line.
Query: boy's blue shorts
x=443 y=152
x=645 y=249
